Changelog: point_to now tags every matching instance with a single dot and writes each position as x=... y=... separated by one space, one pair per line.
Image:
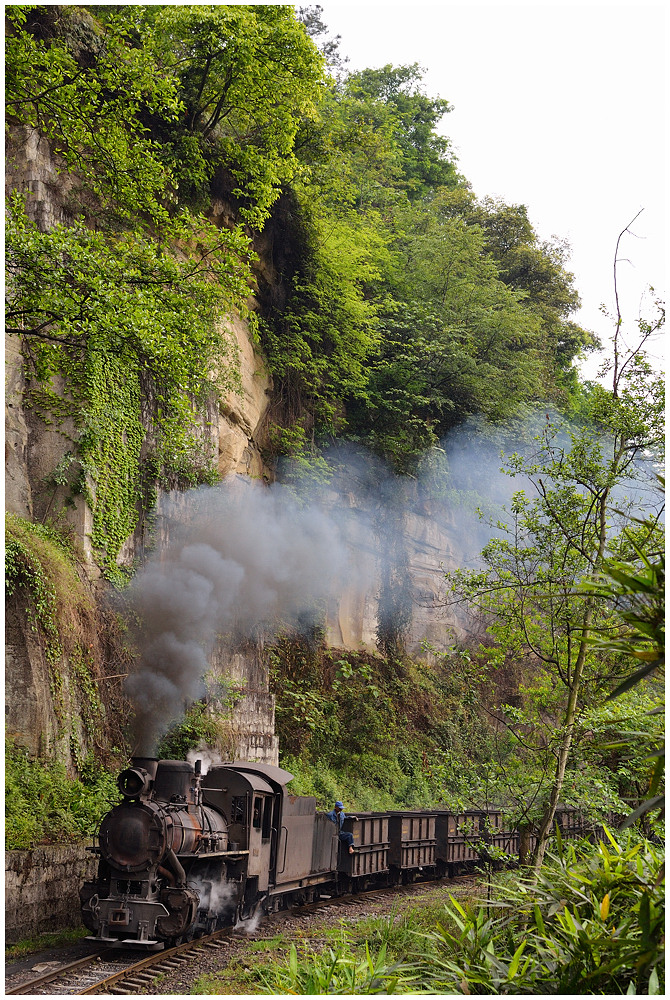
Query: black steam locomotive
x=186 y=853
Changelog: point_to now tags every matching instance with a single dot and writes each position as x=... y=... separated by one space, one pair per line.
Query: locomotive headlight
x=133 y=782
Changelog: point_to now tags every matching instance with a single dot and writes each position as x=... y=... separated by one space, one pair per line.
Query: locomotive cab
x=276 y=824
x=248 y=801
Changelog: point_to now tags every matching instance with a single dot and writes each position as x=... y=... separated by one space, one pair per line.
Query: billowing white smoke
x=208 y=758
x=216 y=898
x=251 y=924
x=242 y=561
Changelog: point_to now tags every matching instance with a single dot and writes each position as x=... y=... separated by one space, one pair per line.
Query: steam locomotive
x=185 y=853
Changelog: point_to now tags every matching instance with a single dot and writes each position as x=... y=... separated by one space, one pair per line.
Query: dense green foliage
x=404 y=303
x=43 y=804
x=593 y=924
x=247 y=78
x=469 y=312
x=123 y=348
x=42 y=579
x=383 y=734
x=366 y=729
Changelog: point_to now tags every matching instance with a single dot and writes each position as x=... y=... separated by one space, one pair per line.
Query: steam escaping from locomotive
x=238 y=561
x=208 y=759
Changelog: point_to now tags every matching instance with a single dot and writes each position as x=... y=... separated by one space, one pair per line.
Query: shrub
x=44 y=806
x=592 y=924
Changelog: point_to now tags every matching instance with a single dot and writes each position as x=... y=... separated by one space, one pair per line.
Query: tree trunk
x=566 y=742
x=524 y=843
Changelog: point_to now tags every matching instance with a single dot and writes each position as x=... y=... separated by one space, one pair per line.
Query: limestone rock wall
x=31 y=717
x=234 y=426
x=432 y=540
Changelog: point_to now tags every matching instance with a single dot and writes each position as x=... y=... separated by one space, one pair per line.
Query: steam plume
x=246 y=562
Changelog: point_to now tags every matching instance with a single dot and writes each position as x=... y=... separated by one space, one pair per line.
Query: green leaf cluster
x=593 y=924
x=43 y=804
x=368 y=728
x=464 y=310
x=247 y=77
x=86 y=86
x=124 y=347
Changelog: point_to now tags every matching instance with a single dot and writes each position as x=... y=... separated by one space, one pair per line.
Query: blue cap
x=340 y=804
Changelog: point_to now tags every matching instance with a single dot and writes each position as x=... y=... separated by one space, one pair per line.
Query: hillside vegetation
x=402 y=303
x=218 y=161
x=396 y=304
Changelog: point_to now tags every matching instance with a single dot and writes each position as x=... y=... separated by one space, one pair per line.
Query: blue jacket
x=336 y=818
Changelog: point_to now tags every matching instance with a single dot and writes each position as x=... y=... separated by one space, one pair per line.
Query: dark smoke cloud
x=240 y=561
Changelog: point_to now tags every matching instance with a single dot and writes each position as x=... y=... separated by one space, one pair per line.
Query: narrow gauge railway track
x=111 y=972
x=107 y=971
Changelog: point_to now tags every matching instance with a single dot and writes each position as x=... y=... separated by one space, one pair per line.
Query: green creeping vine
x=42 y=578
x=109 y=447
x=23 y=569
x=124 y=346
x=25 y=572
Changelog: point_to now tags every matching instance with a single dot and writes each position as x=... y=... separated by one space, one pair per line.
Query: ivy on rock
x=124 y=345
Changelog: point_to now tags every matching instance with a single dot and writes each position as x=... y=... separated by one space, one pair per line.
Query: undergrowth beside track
x=592 y=924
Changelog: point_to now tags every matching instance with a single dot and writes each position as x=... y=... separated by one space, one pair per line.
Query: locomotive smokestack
x=148 y=764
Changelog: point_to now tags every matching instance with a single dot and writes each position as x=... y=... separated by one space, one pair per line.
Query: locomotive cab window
x=267 y=819
x=237 y=811
x=258 y=812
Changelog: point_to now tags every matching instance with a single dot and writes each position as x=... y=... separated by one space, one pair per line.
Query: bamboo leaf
x=648 y=806
x=516 y=958
x=631 y=681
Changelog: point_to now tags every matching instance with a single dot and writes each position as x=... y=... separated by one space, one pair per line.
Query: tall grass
x=592 y=924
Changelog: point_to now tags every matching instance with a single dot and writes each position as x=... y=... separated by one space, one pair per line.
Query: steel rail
x=49 y=977
x=166 y=956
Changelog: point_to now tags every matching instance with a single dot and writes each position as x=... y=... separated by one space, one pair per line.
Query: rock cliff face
x=33 y=450
x=431 y=542
x=235 y=427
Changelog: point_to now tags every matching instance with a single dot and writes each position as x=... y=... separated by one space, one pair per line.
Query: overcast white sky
x=560 y=107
